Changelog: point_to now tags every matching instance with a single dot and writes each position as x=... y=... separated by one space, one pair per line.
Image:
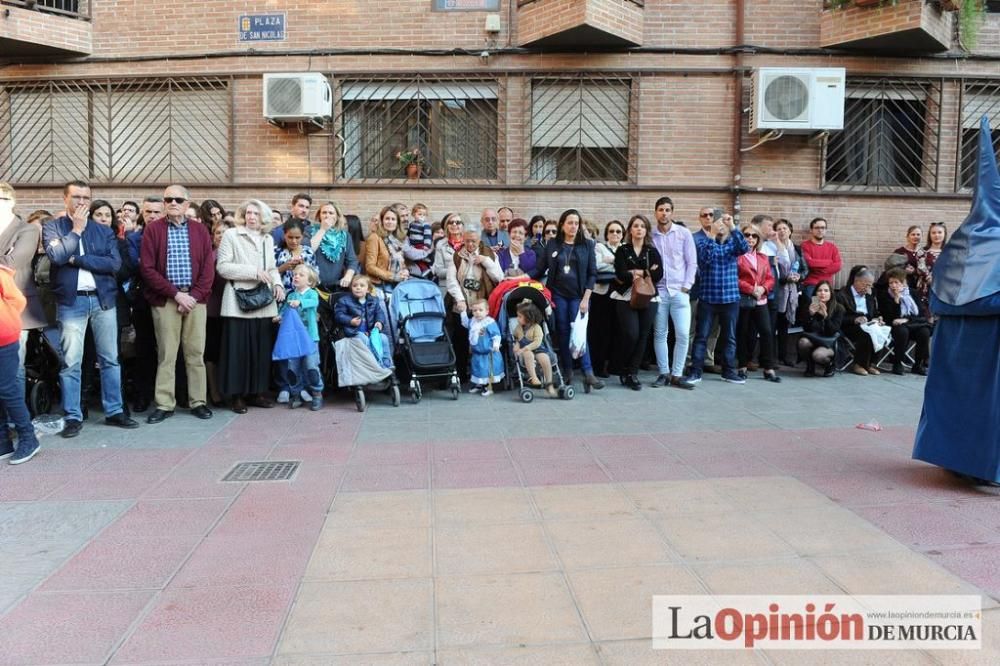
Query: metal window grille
x=979 y=98
x=453 y=123
x=116 y=131
x=891 y=137
x=71 y=8
x=581 y=129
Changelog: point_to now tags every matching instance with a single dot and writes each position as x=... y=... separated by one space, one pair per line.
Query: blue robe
x=487 y=365
x=959 y=426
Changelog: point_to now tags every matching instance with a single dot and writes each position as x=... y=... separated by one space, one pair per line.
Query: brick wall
x=853 y=23
x=57 y=32
x=686 y=106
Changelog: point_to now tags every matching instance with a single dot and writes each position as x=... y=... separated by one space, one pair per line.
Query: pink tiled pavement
x=237 y=560
x=623 y=445
x=386 y=477
x=925 y=525
x=16 y=487
x=109 y=485
x=559 y=471
x=123 y=564
x=70 y=627
x=209 y=623
x=181 y=517
x=548 y=447
x=980 y=565
x=465 y=450
x=390 y=454
x=477 y=474
x=659 y=467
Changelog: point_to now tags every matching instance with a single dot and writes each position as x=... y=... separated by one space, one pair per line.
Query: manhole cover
x=265 y=470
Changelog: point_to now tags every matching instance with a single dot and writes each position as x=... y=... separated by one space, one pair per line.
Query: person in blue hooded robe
x=959 y=426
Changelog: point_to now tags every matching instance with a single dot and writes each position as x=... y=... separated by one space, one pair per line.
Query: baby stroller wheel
x=527 y=396
x=454 y=392
x=40 y=398
x=359 y=399
x=415 y=391
x=395 y=395
x=567 y=392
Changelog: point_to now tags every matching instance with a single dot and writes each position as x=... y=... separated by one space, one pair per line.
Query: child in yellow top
x=530 y=347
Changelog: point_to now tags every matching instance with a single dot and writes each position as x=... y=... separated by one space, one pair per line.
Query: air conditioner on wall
x=797 y=100
x=297 y=97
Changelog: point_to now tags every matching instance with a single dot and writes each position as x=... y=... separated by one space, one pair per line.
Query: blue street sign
x=262 y=27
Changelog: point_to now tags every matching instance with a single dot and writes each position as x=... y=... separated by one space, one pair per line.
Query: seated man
x=909 y=323
x=859 y=308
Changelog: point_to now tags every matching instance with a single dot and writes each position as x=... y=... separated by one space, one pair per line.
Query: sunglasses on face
x=551 y=232
x=704 y=215
x=753 y=236
x=614 y=231
x=454 y=221
x=176 y=200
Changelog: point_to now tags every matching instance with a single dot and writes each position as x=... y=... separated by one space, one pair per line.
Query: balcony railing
x=78 y=9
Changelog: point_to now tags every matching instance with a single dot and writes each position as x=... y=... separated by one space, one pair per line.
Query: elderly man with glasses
x=177 y=267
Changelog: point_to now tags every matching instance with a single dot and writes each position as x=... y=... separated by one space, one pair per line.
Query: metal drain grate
x=265 y=470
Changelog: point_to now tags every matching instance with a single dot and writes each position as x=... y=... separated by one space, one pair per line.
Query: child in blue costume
x=304 y=299
x=484 y=346
x=362 y=314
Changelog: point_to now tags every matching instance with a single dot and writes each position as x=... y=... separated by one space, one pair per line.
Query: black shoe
x=662 y=380
x=140 y=405
x=680 y=382
x=159 y=415
x=633 y=383
x=828 y=370
x=202 y=412
x=71 y=428
x=238 y=405
x=119 y=420
x=920 y=369
x=897 y=368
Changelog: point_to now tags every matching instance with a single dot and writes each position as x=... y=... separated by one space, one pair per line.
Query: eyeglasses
x=757 y=236
x=454 y=221
x=176 y=200
x=615 y=231
x=704 y=215
x=5 y=199
x=551 y=232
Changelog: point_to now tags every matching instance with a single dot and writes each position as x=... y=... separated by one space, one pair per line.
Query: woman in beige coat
x=245 y=258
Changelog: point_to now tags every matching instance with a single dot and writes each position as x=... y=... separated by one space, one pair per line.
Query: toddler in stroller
x=364 y=352
x=531 y=348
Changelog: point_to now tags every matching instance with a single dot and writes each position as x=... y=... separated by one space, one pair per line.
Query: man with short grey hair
x=493 y=235
x=176 y=264
x=860 y=308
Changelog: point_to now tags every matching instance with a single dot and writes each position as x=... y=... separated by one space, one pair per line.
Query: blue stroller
x=417 y=315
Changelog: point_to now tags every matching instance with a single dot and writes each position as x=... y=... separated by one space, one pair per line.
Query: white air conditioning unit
x=797 y=100
x=297 y=97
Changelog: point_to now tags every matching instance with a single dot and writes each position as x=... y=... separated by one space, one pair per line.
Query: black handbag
x=257 y=297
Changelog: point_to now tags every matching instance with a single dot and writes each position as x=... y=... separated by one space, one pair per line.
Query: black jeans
x=460 y=343
x=635 y=326
x=751 y=323
x=863 y=347
x=602 y=332
x=903 y=334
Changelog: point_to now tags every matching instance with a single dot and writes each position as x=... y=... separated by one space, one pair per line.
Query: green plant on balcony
x=971 y=14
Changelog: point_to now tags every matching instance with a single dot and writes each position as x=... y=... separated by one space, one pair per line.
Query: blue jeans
x=73 y=321
x=727 y=313
x=566 y=309
x=12 y=406
x=676 y=307
x=305 y=373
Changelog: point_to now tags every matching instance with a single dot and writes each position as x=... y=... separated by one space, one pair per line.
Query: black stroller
x=507 y=321
x=41 y=374
x=418 y=316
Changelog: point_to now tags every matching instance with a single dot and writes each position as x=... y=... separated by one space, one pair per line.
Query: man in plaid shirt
x=719 y=294
x=178 y=266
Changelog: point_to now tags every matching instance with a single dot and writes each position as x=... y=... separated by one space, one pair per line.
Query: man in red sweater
x=821 y=256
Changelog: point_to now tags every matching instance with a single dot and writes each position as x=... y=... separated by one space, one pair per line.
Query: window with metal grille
x=979 y=98
x=890 y=136
x=580 y=129
x=452 y=123
x=123 y=131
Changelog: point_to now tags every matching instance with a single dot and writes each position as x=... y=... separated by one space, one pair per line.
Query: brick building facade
x=602 y=105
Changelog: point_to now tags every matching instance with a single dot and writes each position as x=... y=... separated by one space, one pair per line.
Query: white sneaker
x=283 y=398
x=305 y=395
x=487 y=392
x=476 y=388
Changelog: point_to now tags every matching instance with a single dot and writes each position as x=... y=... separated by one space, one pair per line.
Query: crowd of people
x=190 y=279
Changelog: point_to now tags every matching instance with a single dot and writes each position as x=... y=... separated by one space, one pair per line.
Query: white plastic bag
x=578 y=335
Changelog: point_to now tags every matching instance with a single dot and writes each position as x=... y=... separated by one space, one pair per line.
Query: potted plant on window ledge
x=411 y=160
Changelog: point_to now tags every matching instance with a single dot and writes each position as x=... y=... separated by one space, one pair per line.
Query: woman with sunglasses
x=756 y=281
x=445 y=248
x=602 y=328
x=570 y=267
x=549 y=231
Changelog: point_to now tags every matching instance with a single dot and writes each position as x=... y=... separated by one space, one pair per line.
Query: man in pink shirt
x=680 y=264
x=821 y=256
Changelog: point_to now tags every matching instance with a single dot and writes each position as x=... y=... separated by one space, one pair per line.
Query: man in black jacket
x=860 y=308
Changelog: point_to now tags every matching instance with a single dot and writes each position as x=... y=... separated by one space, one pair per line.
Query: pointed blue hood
x=969 y=266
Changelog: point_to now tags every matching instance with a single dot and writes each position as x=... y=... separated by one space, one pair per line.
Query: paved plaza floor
x=483 y=531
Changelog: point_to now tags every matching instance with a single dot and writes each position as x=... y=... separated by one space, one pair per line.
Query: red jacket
x=153 y=262
x=750 y=278
x=11 y=305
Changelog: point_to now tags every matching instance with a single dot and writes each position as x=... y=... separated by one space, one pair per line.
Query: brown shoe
x=858 y=370
x=751 y=366
x=238 y=406
x=260 y=401
x=873 y=371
